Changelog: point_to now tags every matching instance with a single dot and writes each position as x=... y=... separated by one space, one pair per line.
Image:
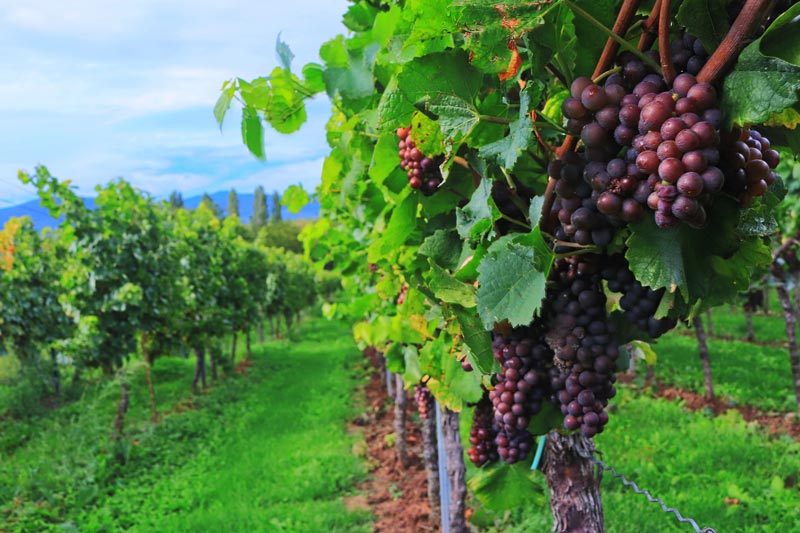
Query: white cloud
x=97 y=89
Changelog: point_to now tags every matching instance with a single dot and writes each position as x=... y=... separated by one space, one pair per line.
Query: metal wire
x=650 y=497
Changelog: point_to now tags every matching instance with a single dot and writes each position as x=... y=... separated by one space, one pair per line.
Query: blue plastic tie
x=539 y=449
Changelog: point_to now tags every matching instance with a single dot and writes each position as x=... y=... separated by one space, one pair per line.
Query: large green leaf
x=501 y=486
x=766 y=79
x=510 y=288
x=477 y=339
x=705 y=19
x=450 y=290
x=253 y=132
x=477 y=217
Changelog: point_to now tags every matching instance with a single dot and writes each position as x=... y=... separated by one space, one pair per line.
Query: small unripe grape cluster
x=749 y=162
x=422 y=171
x=482 y=434
x=584 y=343
x=424 y=400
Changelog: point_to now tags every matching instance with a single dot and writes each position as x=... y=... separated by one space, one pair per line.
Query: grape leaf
x=253 y=132
x=477 y=216
x=655 y=256
x=285 y=54
x=295 y=198
x=384 y=158
x=510 y=288
x=312 y=77
x=507 y=150
x=434 y=75
x=501 y=486
x=761 y=86
x=457 y=117
x=782 y=38
x=443 y=247
x=448 y=289
x=705 y=19
x=354 y=80
x=477 y=339
x=394 y=109
x=224 y=103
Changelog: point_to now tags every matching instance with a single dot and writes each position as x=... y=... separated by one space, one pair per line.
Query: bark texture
x=709 y=323
x=456 y=471
x=697 y=322
x=791 y=335
x=748 y=317
x=574 y=488
x=400 y=403
x=430 y=459
x=200 y=368
x=56 y=372
x=118 y=429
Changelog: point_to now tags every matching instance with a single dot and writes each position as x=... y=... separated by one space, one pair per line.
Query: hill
x=41 y=218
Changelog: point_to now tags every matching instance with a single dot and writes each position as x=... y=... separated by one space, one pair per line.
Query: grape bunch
x=647 y=145
x=401 y=298
x=748 y=161
x=482 y=434
x=424 y=400
x=687 y=54
x=639 y=303
x=584 y=344
x=521 y=387
x=423 y=172
x=575 y=209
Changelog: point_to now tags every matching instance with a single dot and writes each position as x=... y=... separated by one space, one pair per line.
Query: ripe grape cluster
x=748 y=161
x=423 y=172
x=401 y=298
x=638 y=302
x=482 y=434
x=584 y=343
x=521 y=387
x=424 y=400
x=650 y=145
x=687 y=54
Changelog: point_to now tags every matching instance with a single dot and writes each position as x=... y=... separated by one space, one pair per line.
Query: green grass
x=265 y=451
x=746 y=373
x=695 y=463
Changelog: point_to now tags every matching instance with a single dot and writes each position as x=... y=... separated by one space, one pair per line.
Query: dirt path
x=398 y=497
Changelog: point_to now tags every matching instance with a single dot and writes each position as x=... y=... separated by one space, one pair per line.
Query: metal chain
x=650 y=497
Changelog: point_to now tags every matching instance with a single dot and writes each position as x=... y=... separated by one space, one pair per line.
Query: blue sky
x=100 y=89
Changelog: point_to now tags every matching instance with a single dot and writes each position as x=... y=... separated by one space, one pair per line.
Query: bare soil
x=397 y=496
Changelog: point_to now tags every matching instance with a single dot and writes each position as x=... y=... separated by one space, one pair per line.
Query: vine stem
x=728 y=50
x=603 y=75
x=667 y=68
x=476 y=177
x=649 y=34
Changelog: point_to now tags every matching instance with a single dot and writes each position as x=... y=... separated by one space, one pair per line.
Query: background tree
x=233 y=203
x=176 y=200
x=32 y=320
x=281 y=234
x=276 y=208
x=210 y=204
x=259 y=218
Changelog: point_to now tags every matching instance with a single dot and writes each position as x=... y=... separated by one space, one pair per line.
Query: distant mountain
x=41 y=218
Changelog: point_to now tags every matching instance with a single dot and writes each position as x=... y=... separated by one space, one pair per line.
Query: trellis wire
x=650 y=497
x=444 y=478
